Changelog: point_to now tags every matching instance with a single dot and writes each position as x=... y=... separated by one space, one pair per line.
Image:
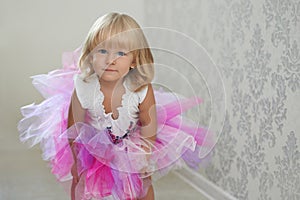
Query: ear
x=133 y=64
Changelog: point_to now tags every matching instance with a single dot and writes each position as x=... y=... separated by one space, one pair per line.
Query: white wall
x=33 y=35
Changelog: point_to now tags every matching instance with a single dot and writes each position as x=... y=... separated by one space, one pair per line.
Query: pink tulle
x=106 y=168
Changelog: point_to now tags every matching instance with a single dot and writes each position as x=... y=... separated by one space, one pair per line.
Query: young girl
x=103 y=134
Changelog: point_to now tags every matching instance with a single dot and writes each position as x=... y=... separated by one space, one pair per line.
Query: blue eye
x=102 y=51
x=121 y=53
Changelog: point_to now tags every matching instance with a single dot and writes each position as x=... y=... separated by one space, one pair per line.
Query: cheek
x=97 y=61
x=126 y=66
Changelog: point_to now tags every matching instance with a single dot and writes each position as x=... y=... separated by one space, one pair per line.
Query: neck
x=110 y=85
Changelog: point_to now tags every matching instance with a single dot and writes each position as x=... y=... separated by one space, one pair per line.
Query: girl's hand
x=147 y=170
x=74 y=173
x=75 y=181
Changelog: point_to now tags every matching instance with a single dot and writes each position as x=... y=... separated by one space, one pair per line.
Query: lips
x=110 y=70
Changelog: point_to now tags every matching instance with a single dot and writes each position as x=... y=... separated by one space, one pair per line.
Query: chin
x=109 y=78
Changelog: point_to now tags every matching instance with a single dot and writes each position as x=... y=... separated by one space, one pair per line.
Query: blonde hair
x=126 y=32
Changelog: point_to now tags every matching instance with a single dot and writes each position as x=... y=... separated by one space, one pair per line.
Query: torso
x=101 y=113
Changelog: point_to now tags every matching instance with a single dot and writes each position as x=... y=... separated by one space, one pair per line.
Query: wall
x=256 y=45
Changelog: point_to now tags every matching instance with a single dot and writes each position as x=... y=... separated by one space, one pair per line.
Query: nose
x=110 y=58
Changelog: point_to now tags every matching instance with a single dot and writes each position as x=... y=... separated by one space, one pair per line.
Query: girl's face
x=111 y=64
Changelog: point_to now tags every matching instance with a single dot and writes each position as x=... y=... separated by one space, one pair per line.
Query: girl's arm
x=76 y=112
x=147 y=116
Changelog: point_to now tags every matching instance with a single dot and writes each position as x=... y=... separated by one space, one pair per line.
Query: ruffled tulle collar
x=99 y=97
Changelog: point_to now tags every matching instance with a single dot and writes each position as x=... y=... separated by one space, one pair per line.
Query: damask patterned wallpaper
x=256 y=45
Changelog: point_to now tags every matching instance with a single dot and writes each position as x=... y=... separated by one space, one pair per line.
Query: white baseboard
x=202 y=185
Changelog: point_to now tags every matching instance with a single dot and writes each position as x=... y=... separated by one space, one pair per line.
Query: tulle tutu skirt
x=107 y=168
